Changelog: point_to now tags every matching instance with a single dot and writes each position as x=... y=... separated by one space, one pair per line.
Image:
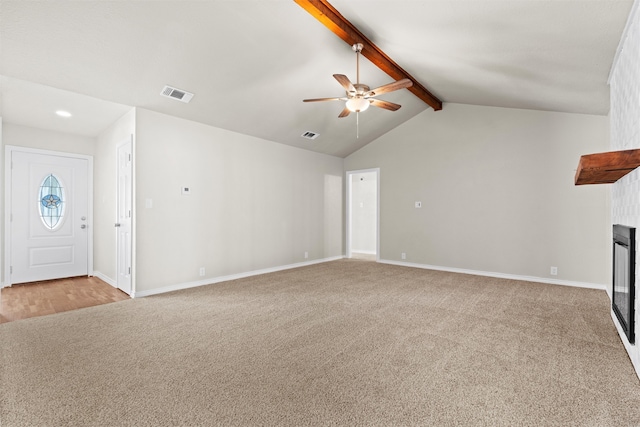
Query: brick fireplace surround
x=624 y=116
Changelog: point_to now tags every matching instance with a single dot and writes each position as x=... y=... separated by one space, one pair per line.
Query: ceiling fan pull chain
x=357 y=124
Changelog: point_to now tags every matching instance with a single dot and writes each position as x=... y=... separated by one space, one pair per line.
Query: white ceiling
x=251 y=62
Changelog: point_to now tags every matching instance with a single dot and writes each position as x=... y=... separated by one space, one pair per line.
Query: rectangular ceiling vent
x=310 y=135
x=179 y=94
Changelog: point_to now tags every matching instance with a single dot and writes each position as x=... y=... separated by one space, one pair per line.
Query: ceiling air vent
x=179 y=94
x=310 y=135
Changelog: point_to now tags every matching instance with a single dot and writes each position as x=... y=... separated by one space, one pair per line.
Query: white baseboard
x=210 y=281
x=358 y=251
x=499 y=275
x=105 y=278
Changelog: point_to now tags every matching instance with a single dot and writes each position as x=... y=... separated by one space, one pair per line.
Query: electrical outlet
x=403 y=255
x=306 y=255
x=201 y=271
x=554 y=271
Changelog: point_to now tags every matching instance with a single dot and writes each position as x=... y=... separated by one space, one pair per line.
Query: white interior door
x=123 y=224
x=49 y=217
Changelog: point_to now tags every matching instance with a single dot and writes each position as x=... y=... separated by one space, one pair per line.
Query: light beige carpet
x=343 y=343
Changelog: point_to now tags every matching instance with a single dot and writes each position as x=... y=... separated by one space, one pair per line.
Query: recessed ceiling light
x=63 y=113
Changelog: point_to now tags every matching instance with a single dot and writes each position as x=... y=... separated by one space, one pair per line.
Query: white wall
x=625 y=135
x=496 y=186
x=2 y=208
x=105 y=195
x=364 y=190
x=42 y=139
x=254 y=204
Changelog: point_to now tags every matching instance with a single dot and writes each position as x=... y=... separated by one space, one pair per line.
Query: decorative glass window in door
x=52 y=202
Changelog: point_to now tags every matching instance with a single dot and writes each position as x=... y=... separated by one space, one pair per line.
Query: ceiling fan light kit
x=357 y=104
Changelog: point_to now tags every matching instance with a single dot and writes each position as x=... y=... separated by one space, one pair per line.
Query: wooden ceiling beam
x=334 y=21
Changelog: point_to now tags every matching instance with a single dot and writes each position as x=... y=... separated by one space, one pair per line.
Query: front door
x=49 y=216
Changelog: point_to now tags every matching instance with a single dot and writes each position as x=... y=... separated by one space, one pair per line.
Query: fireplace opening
x=624 y=277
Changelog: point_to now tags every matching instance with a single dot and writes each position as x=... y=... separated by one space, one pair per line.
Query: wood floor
x=55 y=296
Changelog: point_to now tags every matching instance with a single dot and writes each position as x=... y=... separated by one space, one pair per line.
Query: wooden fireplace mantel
x=606 y=168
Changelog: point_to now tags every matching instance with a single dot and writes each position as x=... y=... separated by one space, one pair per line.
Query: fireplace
x=624 y=275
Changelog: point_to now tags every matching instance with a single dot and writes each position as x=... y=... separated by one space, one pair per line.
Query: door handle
x=117 y=224
x=83 y=226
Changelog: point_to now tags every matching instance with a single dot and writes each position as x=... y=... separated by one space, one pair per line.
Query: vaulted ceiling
x=251 y=62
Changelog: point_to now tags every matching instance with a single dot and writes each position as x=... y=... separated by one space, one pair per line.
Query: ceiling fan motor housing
x=360 y=89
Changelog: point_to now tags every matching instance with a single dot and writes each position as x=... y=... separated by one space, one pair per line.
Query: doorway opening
x=363 y=214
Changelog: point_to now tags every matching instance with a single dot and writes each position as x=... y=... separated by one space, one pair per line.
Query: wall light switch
x=186 y=191
x=148 y=203
x=418 y=204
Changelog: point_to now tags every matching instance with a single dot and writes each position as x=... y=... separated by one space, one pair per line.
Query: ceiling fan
x=360 y=96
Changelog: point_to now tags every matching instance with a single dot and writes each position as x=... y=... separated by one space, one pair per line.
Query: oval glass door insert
x=52 y=202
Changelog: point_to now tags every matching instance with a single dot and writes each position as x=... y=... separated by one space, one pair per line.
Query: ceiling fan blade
x=385 y=104
x=323 y=99
x=344 y=113
x=345 y=82
x=400 y=84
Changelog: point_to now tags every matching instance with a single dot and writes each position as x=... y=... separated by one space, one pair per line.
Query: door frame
x=349 y=196
x=8 y=154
